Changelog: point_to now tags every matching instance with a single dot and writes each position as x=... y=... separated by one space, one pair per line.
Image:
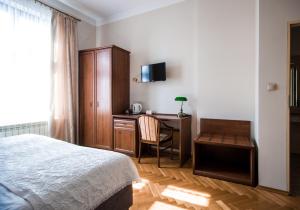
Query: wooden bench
x=224 y=150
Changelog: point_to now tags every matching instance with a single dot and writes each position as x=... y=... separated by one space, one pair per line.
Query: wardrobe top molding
x=102 y=48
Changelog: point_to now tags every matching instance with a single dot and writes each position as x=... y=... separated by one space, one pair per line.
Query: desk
x=126 y=134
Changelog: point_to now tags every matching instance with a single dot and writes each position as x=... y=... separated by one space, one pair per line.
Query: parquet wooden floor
x=173 y=188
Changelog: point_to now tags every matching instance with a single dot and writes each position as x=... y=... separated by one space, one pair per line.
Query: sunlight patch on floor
x=157 y=205
x=222 y=205
x=185 y=195
x=189 y=191
x=140 y=184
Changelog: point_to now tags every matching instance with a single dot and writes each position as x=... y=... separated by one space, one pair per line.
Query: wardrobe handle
x=91 y=104
x=97 y=103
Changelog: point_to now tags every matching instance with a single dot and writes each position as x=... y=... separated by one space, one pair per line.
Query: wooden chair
x=150 y=133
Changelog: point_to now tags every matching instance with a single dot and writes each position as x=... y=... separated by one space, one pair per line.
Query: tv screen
x=153 y=72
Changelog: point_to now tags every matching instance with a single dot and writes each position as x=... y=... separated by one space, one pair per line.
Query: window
x=25 y=50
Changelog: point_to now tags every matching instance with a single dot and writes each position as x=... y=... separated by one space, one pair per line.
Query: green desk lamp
x=182 y=99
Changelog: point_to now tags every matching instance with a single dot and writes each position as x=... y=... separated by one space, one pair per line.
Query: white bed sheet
x=52 y=174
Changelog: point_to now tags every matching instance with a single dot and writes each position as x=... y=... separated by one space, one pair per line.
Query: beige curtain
x=64 y=97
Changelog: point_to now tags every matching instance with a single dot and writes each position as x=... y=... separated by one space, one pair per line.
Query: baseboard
x=282 y=192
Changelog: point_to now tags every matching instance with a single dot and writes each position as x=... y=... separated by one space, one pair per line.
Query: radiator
x=40 y=128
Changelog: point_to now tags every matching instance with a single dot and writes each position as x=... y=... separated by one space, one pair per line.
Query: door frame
x=290 y=23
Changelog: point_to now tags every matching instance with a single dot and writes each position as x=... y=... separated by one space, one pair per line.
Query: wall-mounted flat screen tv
x=153 y=72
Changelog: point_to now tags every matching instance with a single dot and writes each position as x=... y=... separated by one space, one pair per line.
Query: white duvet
x=52 y=174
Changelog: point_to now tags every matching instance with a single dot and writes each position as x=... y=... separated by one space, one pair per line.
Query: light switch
x=272 y=86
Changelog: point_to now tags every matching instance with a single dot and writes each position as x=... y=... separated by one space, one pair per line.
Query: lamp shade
x=180 y=98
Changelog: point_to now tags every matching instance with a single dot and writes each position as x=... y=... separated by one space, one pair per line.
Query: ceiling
x=105 y=11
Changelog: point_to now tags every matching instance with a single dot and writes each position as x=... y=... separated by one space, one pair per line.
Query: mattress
x=38 y=172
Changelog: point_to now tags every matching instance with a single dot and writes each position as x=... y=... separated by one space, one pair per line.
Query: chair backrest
x=149 y=128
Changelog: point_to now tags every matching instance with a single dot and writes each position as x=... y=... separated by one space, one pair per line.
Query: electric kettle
x=136 y=108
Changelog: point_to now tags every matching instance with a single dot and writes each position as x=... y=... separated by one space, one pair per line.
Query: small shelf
x=224 y=170
x=224 y=155
x=228 y=163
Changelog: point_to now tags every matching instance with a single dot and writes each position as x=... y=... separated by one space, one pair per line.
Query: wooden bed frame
x=122 y=200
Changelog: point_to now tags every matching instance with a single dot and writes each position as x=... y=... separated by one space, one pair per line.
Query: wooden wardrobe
x=103 y=91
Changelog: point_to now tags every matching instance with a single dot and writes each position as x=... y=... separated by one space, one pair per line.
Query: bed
x=38 y=172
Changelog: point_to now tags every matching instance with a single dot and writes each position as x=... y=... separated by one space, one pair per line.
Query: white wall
x=226 y=59
x=209 y=50
x=161 y=35
x=86 y=35
x=273 y=106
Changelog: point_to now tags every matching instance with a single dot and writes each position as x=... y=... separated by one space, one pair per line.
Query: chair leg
x=140 y=149
x=158 y=157
x=172 y=149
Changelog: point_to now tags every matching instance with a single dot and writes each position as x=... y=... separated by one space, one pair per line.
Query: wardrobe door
x=86 y=97
x=120 y=82
x=103 y=96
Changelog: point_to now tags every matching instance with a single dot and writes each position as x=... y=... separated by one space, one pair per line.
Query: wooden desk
x=126 y=134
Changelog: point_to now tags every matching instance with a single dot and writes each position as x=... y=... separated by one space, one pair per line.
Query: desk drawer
x=125 y=136
x=120 y=123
